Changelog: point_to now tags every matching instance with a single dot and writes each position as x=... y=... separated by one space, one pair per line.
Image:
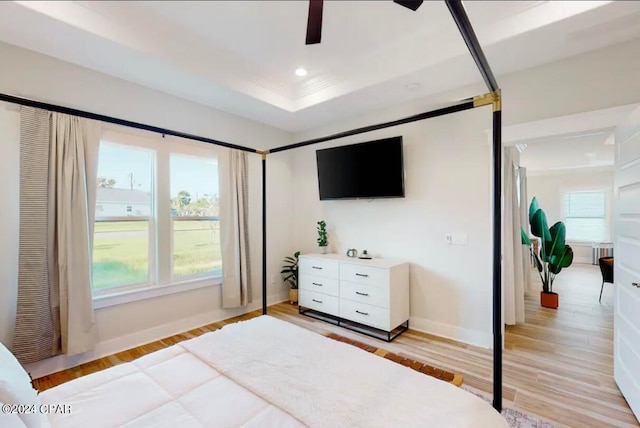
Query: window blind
x=585 y=216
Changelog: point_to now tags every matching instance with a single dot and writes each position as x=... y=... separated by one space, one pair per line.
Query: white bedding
x=265 y=373
x=168 y=388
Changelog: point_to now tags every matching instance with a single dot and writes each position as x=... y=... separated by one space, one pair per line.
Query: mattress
x=265 y=373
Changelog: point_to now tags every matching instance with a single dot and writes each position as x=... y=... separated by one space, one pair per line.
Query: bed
x=264 y=373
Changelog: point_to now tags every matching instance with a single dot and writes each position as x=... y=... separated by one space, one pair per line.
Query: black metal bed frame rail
x=492 y=98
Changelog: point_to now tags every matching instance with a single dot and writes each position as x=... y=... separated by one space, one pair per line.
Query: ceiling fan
x=314 y=22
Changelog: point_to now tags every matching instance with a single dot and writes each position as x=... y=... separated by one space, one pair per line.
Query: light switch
x=459 y=238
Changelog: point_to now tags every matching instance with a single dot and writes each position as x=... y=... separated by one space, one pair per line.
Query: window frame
x=161 y=279
x=606 y=217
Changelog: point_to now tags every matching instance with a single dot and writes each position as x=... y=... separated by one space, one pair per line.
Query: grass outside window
x=121 y=251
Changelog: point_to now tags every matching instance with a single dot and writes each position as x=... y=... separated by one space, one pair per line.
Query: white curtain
x=73 y=169
x=234 y=228
x=524 y=222
x=512 y=266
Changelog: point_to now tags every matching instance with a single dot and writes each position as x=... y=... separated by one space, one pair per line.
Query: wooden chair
x=606 y=268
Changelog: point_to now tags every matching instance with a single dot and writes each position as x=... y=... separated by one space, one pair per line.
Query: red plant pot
x=549 y=300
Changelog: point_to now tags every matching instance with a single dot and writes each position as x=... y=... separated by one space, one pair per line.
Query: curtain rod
x=464 y=105
x=114 y=120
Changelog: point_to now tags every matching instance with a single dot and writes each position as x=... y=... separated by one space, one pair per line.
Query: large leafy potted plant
x=554 y=254
x=290 y=275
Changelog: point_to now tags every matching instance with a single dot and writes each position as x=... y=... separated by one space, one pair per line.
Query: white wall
x=447 y=181
x=550 y=187
x=36 y=76
x=448 y=184
x=9 y=216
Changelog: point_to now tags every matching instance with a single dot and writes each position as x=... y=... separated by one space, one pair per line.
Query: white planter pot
x=322 y=250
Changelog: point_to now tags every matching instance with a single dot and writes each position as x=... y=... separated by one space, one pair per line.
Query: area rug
x=515 y=418
x=412 y=364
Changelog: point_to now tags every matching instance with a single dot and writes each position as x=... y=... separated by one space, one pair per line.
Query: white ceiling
x=568 y=152
x=240 y=56
x=577 y=141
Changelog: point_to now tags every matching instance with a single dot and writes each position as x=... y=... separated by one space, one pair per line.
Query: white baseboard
x=122 y=343
x=471 y=337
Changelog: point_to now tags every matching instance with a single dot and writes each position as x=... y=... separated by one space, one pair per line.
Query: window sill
x=153 y=291
x=582 y=243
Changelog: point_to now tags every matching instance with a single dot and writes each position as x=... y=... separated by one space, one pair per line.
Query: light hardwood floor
x=558 y=365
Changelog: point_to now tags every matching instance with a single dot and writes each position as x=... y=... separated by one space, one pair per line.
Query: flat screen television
x=362 y=171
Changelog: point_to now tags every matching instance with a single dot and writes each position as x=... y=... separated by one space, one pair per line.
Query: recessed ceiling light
x=301 y=72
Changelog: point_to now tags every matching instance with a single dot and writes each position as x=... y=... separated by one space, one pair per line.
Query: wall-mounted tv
x=362 y=171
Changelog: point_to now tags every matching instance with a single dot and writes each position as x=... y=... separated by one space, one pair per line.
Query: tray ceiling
x=240 y=56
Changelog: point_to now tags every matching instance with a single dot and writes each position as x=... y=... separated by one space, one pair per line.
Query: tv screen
x=366 y=170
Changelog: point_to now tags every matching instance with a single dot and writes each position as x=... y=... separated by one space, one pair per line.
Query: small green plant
x=290 y=270
x=555 y=254
x=322 y=234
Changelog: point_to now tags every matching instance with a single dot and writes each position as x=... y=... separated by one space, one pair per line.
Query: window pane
x=194 y=193
x=120 y=253
x=585 y=204
x=121 y=248
x=124 y=181
x=585 y=216
x=196 y=246
x=586 y=229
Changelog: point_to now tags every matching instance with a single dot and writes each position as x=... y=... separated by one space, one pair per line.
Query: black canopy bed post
x=264 y=229
x=466 y=31
x=497 y=254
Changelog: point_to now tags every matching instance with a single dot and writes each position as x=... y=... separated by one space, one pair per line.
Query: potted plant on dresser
x=554 y=254
x=322 y=237
x=290 y=275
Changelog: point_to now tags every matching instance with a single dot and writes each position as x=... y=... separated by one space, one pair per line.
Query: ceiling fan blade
x=409 y=4
x=314 y=23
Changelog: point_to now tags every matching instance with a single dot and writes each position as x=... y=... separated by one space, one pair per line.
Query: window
x=585 y=216
x=156 y=215
x=121 y=251
x=194 y=216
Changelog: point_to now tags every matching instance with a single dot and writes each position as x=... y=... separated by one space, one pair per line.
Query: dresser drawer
x=365 y=314
x=364 y=275
x=319 y=267
x=319 y=284
x=378 y=296
x=319 y=302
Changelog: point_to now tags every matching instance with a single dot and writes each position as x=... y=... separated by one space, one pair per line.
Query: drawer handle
x=362 y=313
x=315 y=283
x=316 y=267
x=317 y=301
x=361 y=294
x=636 y=284
x=362 y=274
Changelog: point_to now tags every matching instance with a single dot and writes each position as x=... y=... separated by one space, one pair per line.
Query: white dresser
x=374 y=293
